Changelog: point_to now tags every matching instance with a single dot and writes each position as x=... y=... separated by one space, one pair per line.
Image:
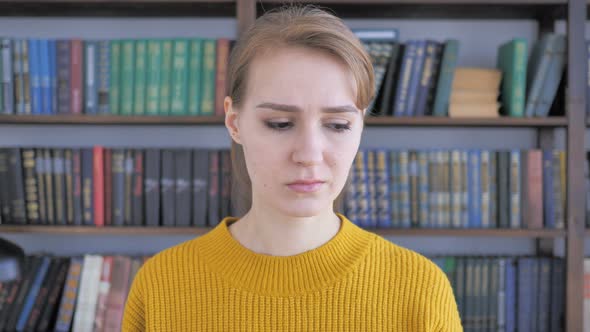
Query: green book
x=154 y=74
x=445 y=78
x=179 y=87
x=512 y=61
x=208 y=78
x=165 y=77
x=115 y=78
x=194 y=76
x=140 y=77
x=127 y=77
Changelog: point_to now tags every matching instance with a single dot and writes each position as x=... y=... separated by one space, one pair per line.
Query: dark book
x=389 y=82
x=118 y=186
x=12 y=294
x=427 y=78
x=128 y=195
x=69 y=180
x=87 y=186
x=434 y=76
x=63 y=76
x=182 y=166
x=108 y=187
x=225 y=194
x=77 y=186
x=41 y=298
x=503 y=190
x=213 y=190
x=23 y=291
x=152 y=187
x=59 y=186
x=18 y=212
x=55 y=290
x=137 y=201
x=33 y=292
x=200 y=178
x=167 y=188
x=30 y=179
x=40 y=180
x=4 y=186
x=49 y=195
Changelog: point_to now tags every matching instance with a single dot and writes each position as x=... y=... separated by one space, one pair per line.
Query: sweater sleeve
x=134 y=314
x=447 y=318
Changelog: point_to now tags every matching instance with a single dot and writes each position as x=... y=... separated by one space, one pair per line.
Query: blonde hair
x=292 y=26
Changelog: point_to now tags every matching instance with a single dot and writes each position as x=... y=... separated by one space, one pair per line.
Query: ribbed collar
x=283 y=275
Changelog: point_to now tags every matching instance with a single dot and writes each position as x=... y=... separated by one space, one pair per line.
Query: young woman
x=299 y=84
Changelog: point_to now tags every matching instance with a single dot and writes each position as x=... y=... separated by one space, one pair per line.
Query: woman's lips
x=305 y=187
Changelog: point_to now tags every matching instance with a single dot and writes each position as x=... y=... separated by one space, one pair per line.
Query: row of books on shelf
x=58 y=293
x=119 y=77
x=456 y=188
x=422 y=77
x=102 y=186
x=507 y=293
x=492 y=293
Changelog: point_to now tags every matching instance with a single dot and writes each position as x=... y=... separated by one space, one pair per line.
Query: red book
x=220 y=77
x=108 y=189
x=76 y=76
x=98 y=190
x=533 y=189
x=115 y=305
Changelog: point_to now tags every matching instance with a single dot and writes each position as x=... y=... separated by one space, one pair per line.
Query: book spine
x=40 y=299
x=32 y=293
x=519 y=78
x=40 y=179
x=556 y=188
x=152 y=187
x=76 y=76
x=415 y=76
x=118 y=187
x=208 y=78
x=115 y=77
x=69 y=185
x=433 y=188
x=104 y=77
x=48 y=314
x=165 y=77
x=456 y=186
x=423 y=190
x=485 y=181
x=127 y=77
x=90 y=77
x=7 y=106
x=18 y=209
x=362 y=189
x=49 y=195
x=31 y=192
x=26 y=78
x=445 y=79
x=548 y=200
x=17 y=72
x=195 y=80
x=179 y=82
x=382 y=189
x=35 y=76
x=87 y=296
x=53 y=75
x=474 y=187
x=553 y=76
x=400 y=106
x=138 y=179
x=154 y=73
x=87 y=186
x=404 y=194
x=395 y=192
x=426 y=78
x=77 y=186
x=182 y=173
x=59 y=186
x=220 y=79
x=371 y=189
x=413 y=180
x=128 y=195
x=167 y=187
x=139 y=95
x=63 y=76
x=199 y=187
x=213 y=190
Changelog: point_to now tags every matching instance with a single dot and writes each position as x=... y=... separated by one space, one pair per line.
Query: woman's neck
x=275 y=234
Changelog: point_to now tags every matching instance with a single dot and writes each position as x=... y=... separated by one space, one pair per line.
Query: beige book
x=472 y=110
x=474 y=96
x=482 y=79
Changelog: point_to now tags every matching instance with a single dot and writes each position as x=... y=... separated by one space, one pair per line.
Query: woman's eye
x=339 y=127
x=279 y=125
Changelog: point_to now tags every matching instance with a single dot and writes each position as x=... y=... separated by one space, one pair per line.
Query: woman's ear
x=231 y=119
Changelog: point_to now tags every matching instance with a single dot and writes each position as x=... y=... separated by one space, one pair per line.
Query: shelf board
x=119 y=8
x=153 y=231
x=428 y=121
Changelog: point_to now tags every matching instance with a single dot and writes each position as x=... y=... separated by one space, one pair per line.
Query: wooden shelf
x=219 y=120
x=89 y=230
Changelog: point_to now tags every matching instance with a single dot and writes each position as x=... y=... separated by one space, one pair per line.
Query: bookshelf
x=545 y=12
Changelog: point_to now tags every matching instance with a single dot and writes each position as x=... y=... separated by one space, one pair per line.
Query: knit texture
x=357 y=281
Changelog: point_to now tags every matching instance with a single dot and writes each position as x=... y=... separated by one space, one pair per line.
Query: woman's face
x=299 y=129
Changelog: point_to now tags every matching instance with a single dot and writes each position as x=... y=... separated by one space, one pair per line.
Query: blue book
x=423 y=189
x=400 y=104
x=427 y=77
x=53 y=75
x=90 y=75
x=18 y=72
x=515 y=189
x=404 y=194
x=383 y=188
x=544 y=287
x=537 y=69
x=32 y=293
x=415 y=77
x=35 y=76
x=551 y=80
x=474 y=188
x=510 y=295
x=525 y=294
x=44 y=71
x=395 y=188
x=557 y=293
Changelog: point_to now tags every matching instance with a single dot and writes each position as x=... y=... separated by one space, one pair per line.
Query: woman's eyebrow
x=293 y=108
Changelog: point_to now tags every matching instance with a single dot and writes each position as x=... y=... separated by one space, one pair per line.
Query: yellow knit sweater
x=357 y=281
